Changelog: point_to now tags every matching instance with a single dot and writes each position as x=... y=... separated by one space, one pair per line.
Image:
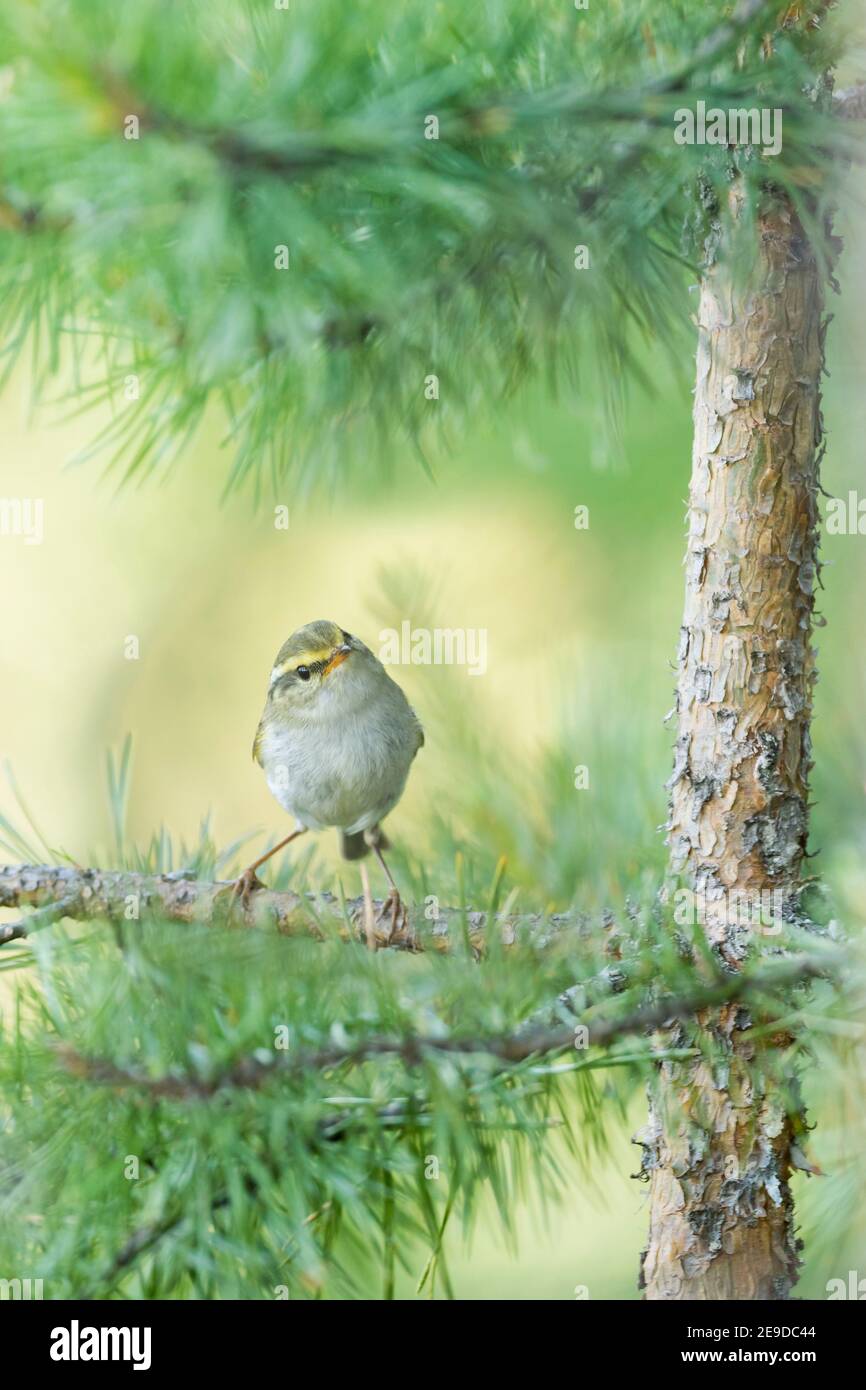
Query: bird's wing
x=257 y=744
x=419 y=729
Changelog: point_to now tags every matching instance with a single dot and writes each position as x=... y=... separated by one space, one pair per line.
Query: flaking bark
x=718 y=1147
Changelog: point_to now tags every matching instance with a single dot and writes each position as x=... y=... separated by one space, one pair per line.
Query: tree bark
x=720 y=1143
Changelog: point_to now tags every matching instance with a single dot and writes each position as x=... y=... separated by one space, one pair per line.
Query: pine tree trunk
x=717 y=1151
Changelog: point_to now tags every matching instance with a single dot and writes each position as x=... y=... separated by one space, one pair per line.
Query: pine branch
x=504 y=112
x=509 y=1049
x=139 y=1243
x=93 y=894
x=450 y=257
x=145 y=1237
x=43 y=917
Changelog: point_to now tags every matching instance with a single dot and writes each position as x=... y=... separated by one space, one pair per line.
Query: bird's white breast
x=345 y=763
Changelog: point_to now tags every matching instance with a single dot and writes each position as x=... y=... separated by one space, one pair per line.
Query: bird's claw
x=242 y=889
x=394 y=912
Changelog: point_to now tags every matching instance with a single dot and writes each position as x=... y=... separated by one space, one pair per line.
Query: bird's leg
x=249 y=881
x=369 y=919
x=393 y=903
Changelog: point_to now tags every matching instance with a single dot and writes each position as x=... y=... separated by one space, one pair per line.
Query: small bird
x=336 y=741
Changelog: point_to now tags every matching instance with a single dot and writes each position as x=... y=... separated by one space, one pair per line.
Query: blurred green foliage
x=582 y=624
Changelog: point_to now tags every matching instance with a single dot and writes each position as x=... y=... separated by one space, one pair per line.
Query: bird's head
x=314 y=660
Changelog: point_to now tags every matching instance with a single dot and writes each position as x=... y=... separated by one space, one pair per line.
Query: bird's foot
x=394 y=913
x=242 y=889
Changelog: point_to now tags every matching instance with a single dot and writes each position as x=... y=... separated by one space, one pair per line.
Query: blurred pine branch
x=149 y=263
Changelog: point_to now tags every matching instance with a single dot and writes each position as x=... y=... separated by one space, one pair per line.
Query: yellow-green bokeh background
x=578 y=621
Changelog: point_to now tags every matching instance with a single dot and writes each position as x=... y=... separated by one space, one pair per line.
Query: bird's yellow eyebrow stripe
x=308 y=658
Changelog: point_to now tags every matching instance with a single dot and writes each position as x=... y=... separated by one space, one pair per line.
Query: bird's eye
x=304 y=672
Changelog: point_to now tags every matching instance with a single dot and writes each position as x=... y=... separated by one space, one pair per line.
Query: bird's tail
x=359 y=842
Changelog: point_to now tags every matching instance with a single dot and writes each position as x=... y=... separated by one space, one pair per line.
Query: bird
x=336 y=740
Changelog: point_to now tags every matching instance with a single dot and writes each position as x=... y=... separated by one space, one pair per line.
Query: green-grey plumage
x=337 y=735
x=319 y=638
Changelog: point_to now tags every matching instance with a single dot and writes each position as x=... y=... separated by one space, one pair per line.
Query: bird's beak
x=337 y=658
